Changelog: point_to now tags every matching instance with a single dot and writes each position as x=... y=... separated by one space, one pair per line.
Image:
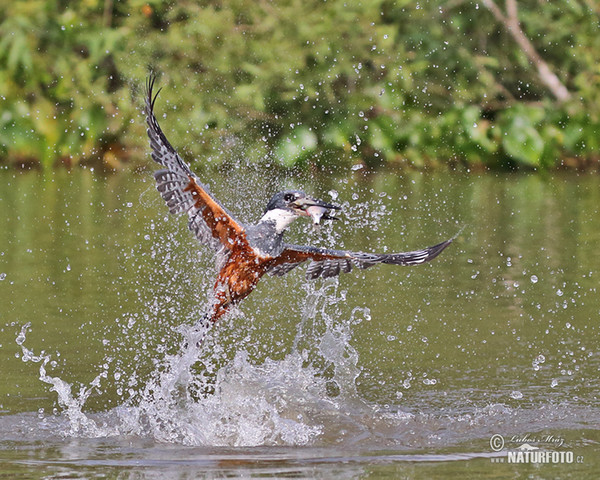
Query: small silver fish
x=318 y=212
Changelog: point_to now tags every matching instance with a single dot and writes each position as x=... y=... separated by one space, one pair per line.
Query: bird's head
x=288 y=205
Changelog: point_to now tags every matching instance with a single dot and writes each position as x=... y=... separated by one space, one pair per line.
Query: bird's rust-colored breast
x=239 y=276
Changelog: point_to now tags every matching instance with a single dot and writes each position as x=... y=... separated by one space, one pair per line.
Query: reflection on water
x=101 y=289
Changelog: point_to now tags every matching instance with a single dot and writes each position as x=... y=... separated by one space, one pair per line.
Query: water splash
x=240 y=402
x=275 y=402
x=80 y=424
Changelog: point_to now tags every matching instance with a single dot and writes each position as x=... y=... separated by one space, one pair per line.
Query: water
x=385 y=372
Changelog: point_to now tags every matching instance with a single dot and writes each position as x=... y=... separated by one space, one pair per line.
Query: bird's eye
x=288 y=197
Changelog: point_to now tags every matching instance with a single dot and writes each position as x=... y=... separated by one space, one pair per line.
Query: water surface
x=388 y=371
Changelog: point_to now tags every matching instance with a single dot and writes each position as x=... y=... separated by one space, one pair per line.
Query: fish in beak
x=316 y=209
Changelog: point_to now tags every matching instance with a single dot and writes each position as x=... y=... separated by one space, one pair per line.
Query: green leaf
x=521 y=138
x=477 y=128
x=296 y=147
x=523 y=143
x=336 y=136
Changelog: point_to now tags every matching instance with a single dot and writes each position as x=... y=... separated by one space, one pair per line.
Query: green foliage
x=521 y=140
x=299 y=82
x=57 y=103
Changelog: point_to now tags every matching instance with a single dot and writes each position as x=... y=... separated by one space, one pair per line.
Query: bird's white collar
x=280 y=217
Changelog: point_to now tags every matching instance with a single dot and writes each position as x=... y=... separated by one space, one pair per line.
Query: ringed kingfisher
x=245 y=253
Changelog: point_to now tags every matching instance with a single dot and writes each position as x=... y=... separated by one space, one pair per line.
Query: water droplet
x=534 y=279
x=516 y=395
x=21 y=337
x=540 y=359
x=2 y=276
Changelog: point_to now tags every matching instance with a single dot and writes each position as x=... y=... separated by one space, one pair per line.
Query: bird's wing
x=329 y=263
x=183 y=191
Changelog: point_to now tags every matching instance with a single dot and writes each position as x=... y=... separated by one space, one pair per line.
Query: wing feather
x=182 y=190
x=281 y=269
x=330 y=263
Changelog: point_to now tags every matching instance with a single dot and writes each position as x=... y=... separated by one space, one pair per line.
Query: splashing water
x=79 y=422
x=277 y=402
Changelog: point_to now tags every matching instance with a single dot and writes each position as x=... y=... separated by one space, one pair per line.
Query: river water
x=462 y=366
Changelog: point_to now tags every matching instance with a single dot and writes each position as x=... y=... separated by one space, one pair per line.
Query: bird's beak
x=316 y=209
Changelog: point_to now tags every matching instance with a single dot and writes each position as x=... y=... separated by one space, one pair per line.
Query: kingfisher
x=244 y=253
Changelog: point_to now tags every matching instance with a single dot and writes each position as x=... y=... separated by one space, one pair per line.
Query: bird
x=244 y=253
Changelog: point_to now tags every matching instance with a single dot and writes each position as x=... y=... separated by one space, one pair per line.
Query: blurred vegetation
x=301 y=82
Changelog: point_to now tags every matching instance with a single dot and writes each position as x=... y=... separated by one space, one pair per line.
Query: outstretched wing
x=183 y=191
x=329 y=263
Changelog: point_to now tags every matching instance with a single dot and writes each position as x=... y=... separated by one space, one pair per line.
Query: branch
x=108 y=11
x=512 y=25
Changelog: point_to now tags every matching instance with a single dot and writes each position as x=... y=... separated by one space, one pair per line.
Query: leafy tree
x=304 y=82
